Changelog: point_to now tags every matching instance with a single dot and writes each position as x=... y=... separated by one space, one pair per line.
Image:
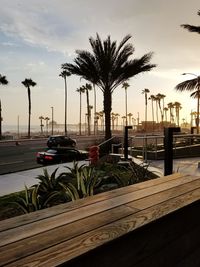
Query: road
x=20 y=157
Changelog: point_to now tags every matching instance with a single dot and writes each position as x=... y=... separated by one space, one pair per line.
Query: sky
x=37 y=36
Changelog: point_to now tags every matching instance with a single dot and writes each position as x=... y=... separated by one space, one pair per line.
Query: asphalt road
x=22 y=157
x=14 y=158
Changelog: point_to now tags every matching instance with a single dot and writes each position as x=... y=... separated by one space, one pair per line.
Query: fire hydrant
x=93 y=154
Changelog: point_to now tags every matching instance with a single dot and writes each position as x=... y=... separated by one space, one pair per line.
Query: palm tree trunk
x=29 y=112
x=80 y=115
x=65 y=105
x=107 y=110
x=88 y=111
x=152 y=113
x=197 y=120
x=0 y=122
x=95 y=120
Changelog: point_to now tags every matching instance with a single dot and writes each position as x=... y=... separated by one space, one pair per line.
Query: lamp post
x=198 y=94
x=52 y=120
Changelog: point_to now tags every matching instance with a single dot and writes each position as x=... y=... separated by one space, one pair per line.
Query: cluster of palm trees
x=41 y=118
x=108 y=66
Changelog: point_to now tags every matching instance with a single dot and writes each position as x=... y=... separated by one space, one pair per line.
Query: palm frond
x=188 y=85
x=191 y=28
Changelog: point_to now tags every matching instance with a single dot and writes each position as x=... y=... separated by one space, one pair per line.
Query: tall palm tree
x=80 y=90
x=65 y=74
x=129 y=118
x=125 y=85
x=177 y=107
x=108 y=66
x=3 y=81
x=165 y=111
x=28 y=83
x=191 y=85
x=160 y=97
x=153 y=99
x=86 y=88
x=41 y=118
x=145 y=92
x=47 y=124
x=171 y=107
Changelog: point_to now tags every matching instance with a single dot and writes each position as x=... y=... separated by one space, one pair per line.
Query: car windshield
x=51 y=151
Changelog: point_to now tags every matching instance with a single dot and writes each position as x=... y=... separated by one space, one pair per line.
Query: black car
x=59 y=155
x=60 y=140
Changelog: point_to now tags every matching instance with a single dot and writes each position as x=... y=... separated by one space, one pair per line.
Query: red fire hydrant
x=93 y=154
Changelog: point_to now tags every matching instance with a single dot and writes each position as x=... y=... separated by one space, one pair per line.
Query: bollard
x=168 y=147
x=126 y=141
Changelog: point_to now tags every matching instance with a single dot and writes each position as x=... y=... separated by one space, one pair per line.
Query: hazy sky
x=37 y=36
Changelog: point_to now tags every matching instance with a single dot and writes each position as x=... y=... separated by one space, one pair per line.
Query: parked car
x=60 y=140
x=59 y=155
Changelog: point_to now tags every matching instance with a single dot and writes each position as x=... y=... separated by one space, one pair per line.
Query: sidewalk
x=184 y=165
x=14 y=182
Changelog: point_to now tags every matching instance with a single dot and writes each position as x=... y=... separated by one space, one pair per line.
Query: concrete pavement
x=14 y=182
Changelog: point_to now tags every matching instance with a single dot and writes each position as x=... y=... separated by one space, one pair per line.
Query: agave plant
x=86 y=180
x=31 y=200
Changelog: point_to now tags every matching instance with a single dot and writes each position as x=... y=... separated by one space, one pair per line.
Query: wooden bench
x=154 y=223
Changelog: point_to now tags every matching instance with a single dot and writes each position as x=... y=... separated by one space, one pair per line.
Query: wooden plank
x=160 y=197
x=47 y=237
x=65 y=251
x=49 y=212
x=12 y=235
x=157 y=237
x=58 y=235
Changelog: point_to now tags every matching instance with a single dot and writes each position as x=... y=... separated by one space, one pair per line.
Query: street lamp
x=198 y=94
x=52 y=120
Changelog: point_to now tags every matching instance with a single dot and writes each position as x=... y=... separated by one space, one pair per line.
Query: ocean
x=22 y=129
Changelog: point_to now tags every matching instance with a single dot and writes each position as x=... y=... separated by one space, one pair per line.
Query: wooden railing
x=154 y=223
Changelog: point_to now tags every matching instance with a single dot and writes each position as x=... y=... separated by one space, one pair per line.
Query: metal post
x=126 y=141
x=168 y=146
x=52 y=120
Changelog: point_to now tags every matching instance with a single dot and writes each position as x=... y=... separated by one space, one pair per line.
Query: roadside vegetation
x=77 y=182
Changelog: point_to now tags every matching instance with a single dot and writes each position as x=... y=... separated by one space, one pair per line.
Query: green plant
x=30 y=201
x=86 y=180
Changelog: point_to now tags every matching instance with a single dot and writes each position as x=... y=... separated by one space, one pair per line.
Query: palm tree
x=160 y=97
x=28 y=83
x=191 y=85
x=153 y=99
x=80 y=91
x=108 y=66
x=47 y=119
x=177 y=107
x=129 y=118
x=165 y=111
x=171 y=107
x=86 y=88
x=41 y=118
x=145 y=92
x=117 y=115
x=3 y=81
x=65 y=74
x=125 y=85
